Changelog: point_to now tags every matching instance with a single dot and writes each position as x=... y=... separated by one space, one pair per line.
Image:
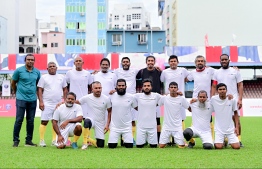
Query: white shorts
x=183 y=113
x=47 y=113
x=134 y=113
x=165 y=137
x=98 y=128
x=146 y=134
x=114 y=136
x=206 y=136
x=158 y=112
x=232 y=138
x=68 y=132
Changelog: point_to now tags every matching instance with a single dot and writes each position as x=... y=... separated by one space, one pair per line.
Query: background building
x=129 y=17
x=133 y=41
x=224 y=22
x=86 y=22
x=3 y=35
x=53 y=42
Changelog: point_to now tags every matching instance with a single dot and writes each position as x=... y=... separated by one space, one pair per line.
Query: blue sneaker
x=74 y=145
x=134 y=142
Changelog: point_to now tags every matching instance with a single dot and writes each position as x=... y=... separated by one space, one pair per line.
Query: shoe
x=74 y=145
x=42 y=143
x=191 y=145
x=16 y=143
x=134 y=142
x=53 y=143
x=241 y=145
x=84 y=146
x=30 y=144
x=68 y=143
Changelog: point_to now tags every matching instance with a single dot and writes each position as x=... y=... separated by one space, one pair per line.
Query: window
x=56 y=44
x=142 y=38
x=116 y=17
x=44 y=45
x=128 y=17
x=116 y=39
x=136 y=16
x=136 y=25
x=116 y=26
x=30 y=39
x=52 y=45
x=159 y=40
x=128 y=26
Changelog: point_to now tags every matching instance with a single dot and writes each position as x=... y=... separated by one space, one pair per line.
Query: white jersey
x=107 y=80
x=147 y=109
x=79 y=81
x=53 y=88
x=202 y=80
x=172 y=116
x=97 y=107
x=63 y=113
x=231 y=77
x=121 y=118
x=129 y=76
x=178 y=75
x=223 y=114
x=201 y=116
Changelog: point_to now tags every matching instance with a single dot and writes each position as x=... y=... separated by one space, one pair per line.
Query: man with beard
x=51 y=87
x=224 y=122
x=121 y=117
x=98 y=104
x=202 y=77
x=146 y=119
x=67 y=121
x=178 y=75
x=129 y=75
x=78 y=80
x=201 y=112
x=172 y=124
x=232 y=79
x=152 y=73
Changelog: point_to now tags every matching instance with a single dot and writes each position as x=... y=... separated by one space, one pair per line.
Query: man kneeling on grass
x=67 y=121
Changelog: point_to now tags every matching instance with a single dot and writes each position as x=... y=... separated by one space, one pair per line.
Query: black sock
x=158 y=136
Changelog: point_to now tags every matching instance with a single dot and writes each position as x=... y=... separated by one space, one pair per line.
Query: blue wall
x=130 y=41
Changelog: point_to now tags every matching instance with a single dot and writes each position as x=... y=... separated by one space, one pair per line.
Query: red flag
x=206 y=40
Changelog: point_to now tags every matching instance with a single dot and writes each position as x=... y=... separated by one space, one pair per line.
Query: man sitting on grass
x=67 y=121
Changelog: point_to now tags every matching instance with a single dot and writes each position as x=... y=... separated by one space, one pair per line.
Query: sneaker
x=16 y=143
x=30 y=144
x=53 y=143
x=84 y=146
x=191 y=145
x=68 y=143
x=74 y=145
x=134 y=142
x=241 y=145
x=42 y=143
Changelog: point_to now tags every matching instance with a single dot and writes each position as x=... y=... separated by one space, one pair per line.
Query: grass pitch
x=170 y=157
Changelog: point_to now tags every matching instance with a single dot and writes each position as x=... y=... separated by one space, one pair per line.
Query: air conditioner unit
x=83 y=30
x=142 y=42
x=83 y=48
x=82 y=14
x=117 y=43
x=78 y=30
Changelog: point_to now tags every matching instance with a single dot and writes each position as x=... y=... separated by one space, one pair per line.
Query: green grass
x=171 y=157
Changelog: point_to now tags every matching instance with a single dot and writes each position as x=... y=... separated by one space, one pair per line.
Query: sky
x=47 y=8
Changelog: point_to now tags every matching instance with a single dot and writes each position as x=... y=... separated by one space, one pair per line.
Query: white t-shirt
x=107 y=80
x=63 y=113
x=147 y=109
x=231 y=77
x=223 y=114
x=53 y=88
x=202 y=80
x=121 y=118
x=172 y=116
x=129 y=76
x=79 y=81
x=201 y=116
x=97 y=107
x=178 y=75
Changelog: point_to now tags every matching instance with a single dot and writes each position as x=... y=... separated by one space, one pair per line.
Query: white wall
x=219 y=19
x=27 y=18
x=3 y=35
x=10 y=10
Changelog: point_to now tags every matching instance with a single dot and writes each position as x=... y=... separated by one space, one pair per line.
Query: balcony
x=142 y=42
